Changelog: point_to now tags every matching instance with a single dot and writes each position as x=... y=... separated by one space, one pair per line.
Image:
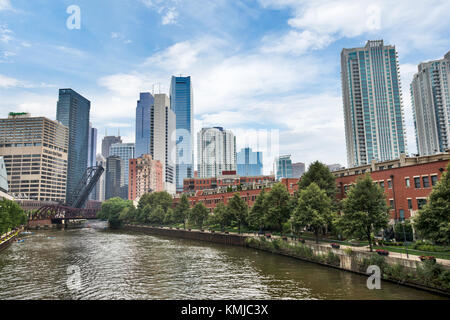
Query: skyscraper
x=373 y=111
x=99 y=191
x=216 y=152
x=181 y=102
x=146 y=175
x=249 y=163
x=73 y=112
x=107 y=142
x=283 y=167
x=92 y=146
x=126 y=152
x=431 y=106
x=113 y=177
x=155 y=134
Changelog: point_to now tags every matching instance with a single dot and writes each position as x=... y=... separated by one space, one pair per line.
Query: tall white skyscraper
x=431 y=106
x=216 y=152
x=373 y=110
x=155 y=134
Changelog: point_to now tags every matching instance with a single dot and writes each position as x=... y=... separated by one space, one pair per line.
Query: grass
x=414 y=252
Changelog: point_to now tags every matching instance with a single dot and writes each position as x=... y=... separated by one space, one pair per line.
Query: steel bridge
x=73 y=210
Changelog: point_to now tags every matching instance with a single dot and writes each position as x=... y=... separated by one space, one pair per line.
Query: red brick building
x=407 y=181
x=210 y=198
x=145 y=175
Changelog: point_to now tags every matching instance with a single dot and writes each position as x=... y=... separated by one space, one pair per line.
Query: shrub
x=332 y=259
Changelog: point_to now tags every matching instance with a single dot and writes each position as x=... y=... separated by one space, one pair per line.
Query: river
x=127 y=265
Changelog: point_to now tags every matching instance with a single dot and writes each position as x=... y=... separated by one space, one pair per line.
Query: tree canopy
x=11 y=215
x=433 y=220
x=198 y=215
x=112 y=210
x=277 y=207
x=321 y=175
x=238 y=209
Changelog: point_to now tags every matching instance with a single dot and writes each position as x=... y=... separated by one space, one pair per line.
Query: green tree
x=181 y=211
x=112 y=210
x=314 y=210
x=11 y=215
x=198 y=215
x=433 y=220
x=169 y=217
x=155 y=199
x=238 y=209
x=221 y=216
x=258 y=212
x=365 y=210
x=157 y=215
x=277 y=203
x=322 y=176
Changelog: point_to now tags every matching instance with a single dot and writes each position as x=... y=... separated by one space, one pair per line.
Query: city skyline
x=296 y=42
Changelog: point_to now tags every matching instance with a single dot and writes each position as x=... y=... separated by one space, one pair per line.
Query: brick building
x=145 y=175
x=407 y=181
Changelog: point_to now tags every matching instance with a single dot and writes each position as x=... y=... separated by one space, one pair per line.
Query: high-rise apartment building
x=249 y=163
x=283 y=167
x=126 y=152
x=216 y=152
x=298 y=169
x=113 y=177
x=373 y=111
x=73 y=112
x=182 y=103
x=431 y=106
x=107 y=142
x=146 y=176
x=155 y=134
x=35 y=151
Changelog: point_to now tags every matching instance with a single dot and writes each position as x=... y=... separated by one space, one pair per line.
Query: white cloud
x=6 y=82
x=5 y=5
x=170 y=17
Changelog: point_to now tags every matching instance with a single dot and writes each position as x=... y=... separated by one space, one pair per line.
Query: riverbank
x=9 y=238
x=394 y=269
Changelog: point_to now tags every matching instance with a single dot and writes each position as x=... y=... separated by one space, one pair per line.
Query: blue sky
x=255 y=64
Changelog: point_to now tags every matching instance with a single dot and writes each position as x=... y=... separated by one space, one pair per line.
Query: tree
x=365 y=210
x=157 y=215
x=112 y=210
x=11 y=215
x=155 y=199
x=169 y=217
x=181 y=211
x=322 y=176
x=258 y=212
x=433 y=220
x=278 y=207
x=198 y=214
x=221 y=216
x=238 y=209
x=314 y=210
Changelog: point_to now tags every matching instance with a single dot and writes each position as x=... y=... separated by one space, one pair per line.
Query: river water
x=127 y=265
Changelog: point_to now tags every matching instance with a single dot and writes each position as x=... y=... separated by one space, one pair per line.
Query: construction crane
x=80 y=194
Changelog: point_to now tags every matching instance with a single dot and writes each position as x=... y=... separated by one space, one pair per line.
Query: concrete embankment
x=353 y=261
x=9 y=239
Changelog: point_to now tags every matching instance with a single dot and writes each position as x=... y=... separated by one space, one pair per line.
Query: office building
x=98 y=193
x=155 y=134
x=283 y=167
x=92 y=146
x=73 y=112
x=146 y=176
x=373 y=111
x=298 y=169
x=107 y=142
x=182 y=103
x=113 y=177
x=216 y=152
x=249 y=163
x=431 y=106
x=35 y=152
x=334 y=167
x=126 y=152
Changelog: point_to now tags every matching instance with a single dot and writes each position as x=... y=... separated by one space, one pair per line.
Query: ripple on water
x=122 y=265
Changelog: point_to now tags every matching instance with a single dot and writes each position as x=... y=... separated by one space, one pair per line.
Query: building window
x=434 y=180
x=382 y=184
x=391 y=203
x=421 y=203
x=410 y=204
x=389 y=184
x=407 y=182
x=426 y=182
x=417 y=183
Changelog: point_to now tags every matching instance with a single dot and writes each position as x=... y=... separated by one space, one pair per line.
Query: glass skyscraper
x=126 y=152
x=249 y=163
x=431 y=106
x=181 y=102
x=373 y=111
x=143 y=124
x=92 y=146
x=73 y=111
x=283 y=167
